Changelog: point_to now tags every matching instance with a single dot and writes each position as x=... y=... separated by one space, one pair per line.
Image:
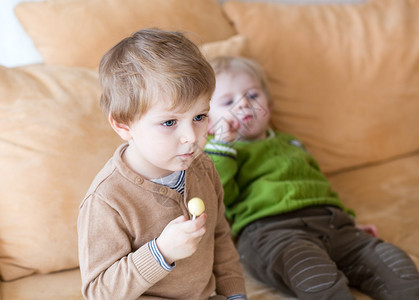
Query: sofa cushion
x=344 y=77
x=53 y=141
x=67 y=285
x=234 y=46
x=64 y=285
x=78 y=32
x=387 y=195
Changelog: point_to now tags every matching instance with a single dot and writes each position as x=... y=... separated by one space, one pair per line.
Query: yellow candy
x=196 y=206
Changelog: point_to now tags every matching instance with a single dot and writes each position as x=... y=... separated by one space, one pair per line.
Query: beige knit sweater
x=122 y=212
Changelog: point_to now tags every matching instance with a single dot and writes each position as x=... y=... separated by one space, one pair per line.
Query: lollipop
x=196 y=207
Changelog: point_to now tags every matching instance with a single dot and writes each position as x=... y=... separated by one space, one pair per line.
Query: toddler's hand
x=369 y=228
x=180 y=238
x=226 y=130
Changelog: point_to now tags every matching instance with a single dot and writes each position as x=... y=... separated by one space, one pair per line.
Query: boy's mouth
x=247 y=118
x=186 y=155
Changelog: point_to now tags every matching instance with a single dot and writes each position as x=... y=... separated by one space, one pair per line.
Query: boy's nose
x=243 y=102
x=188 y=135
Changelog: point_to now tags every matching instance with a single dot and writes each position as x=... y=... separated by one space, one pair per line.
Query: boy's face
x=164 y=140
x=239 y=100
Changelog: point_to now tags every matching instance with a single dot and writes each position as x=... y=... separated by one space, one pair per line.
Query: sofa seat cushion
x=386 y=195
x=64 y=285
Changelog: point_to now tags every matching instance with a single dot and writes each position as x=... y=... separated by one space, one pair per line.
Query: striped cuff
x=220 y=148
x=159 y=257
x=237 y=297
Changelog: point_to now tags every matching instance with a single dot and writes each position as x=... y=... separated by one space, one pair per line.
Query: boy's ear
x=121 y=129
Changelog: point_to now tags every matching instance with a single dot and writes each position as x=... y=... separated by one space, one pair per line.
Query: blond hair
x=152 y=65
x=235 y=64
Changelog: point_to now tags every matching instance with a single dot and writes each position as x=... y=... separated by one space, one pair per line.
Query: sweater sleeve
x=227 y=269
x=110 y=269
x=224 y=157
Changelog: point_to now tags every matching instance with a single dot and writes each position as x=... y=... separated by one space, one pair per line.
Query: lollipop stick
x=193 y=217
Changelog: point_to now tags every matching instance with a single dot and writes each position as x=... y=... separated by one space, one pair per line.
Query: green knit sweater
x=268 y=177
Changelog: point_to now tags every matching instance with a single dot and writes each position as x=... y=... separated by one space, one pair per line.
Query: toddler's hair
x=152 y=65
x=235 y=64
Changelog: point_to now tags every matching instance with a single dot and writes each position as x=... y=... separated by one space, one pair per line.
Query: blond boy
x=136 y=236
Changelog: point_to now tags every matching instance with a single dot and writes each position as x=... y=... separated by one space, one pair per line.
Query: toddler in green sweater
x=294 y=233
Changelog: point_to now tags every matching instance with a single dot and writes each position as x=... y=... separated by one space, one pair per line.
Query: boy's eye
x=199 y=117
x=228 y=102
x=169 y=123
x=252 y=96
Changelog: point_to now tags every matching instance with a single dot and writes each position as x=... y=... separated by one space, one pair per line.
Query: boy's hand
x=180 y=238
x=226 y=130
x=369 y=228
